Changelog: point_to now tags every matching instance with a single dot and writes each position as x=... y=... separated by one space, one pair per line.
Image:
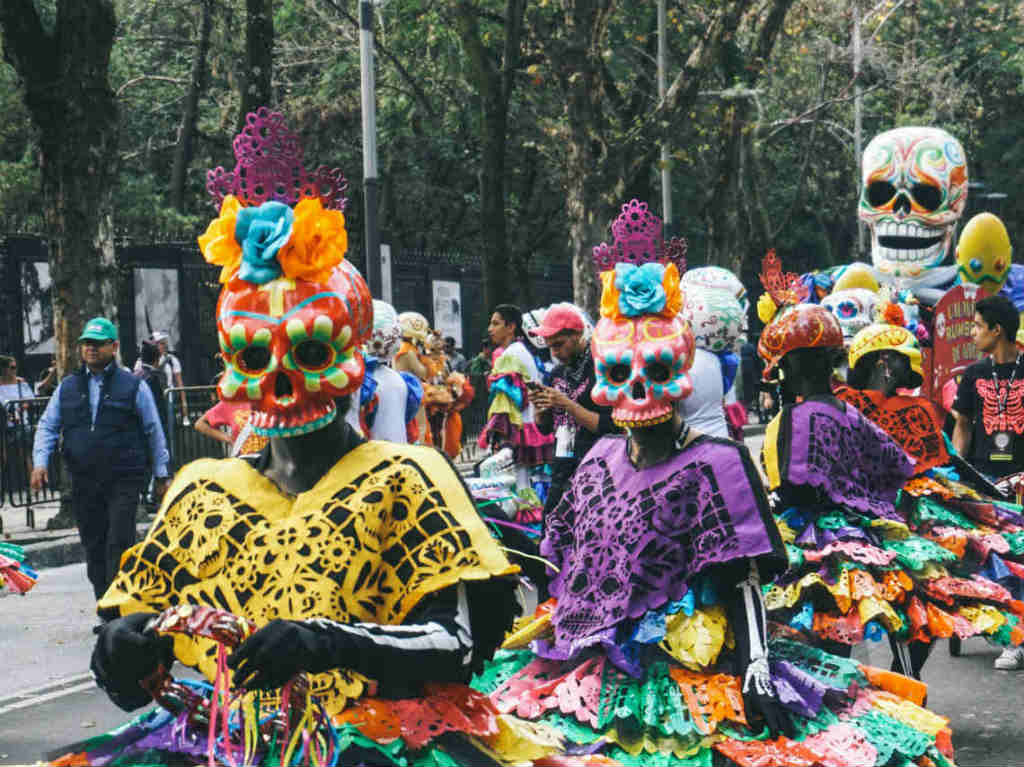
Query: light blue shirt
x=48 y=429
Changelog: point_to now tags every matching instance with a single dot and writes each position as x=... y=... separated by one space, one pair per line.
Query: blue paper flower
x=640 y=289
x=262 y=232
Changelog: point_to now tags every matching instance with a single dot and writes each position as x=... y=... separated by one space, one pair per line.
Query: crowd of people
x=351 y=598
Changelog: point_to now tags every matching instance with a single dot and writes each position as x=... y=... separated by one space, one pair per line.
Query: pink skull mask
x=292 y=346
x=641 y=367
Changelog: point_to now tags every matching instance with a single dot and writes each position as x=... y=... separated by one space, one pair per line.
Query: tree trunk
x=259 y=57
x=67 y=92
x=498 y=287
x=190 y=114
x=493 y=85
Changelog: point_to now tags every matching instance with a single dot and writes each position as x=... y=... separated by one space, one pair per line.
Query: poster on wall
x=37 y=308
x=448 y=310
x=156 y=304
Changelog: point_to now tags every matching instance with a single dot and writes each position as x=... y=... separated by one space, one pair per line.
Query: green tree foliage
x=759 y=119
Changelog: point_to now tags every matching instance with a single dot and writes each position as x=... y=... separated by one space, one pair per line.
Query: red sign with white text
x=953 y=348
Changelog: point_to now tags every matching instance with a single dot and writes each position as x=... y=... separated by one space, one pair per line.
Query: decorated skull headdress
x=642 y=347
x=913 y=192
x=414 y=327
x=715 y=316
x=854 y=308
x=719 y=278
x=293 y=312
x=386 y=336
x=790 y=324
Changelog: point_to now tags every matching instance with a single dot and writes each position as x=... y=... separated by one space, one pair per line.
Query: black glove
x=125 y=654
x=279 y=651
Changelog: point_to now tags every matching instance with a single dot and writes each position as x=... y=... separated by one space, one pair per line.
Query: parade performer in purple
x=657 y=646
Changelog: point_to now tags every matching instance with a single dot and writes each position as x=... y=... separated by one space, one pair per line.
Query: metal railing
x=182 y=408
x=18 y=423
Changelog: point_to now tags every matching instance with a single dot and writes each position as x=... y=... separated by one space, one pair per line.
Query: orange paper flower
x=218 y=244
x=318 y=243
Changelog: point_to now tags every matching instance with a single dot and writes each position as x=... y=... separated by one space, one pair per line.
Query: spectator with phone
x=566 y=405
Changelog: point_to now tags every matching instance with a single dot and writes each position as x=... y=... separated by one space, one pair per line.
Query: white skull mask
x=913 y=192
x=854 y=308
x=715 y=316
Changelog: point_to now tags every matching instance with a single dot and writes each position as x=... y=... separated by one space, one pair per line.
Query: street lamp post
x=370 y=189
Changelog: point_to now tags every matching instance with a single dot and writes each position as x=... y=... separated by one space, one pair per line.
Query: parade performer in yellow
x=361 y=564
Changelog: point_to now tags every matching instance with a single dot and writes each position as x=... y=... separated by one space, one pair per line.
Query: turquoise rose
x=640 y=288
x=262 y=232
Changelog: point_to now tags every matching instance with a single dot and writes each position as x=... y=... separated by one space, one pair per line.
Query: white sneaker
x=1011 y=659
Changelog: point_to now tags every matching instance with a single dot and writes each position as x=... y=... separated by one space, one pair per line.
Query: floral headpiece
x=782 y=288
x=259 y=236
x=639 y=271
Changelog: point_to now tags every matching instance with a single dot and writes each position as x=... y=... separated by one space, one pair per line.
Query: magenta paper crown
x=636 y=239
x=270 y=167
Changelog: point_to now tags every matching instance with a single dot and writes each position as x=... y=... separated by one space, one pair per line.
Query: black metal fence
x=183 y=407
x=17 y=433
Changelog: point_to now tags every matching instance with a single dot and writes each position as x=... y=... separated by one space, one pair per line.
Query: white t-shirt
x=392 y=392
x=703 y=409
x=19 y=390
x=170 y=366
x=519 y=351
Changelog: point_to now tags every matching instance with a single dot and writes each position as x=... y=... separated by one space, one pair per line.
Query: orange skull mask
x=291 y=346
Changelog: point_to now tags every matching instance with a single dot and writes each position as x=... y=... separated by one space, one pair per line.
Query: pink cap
x=558 y=318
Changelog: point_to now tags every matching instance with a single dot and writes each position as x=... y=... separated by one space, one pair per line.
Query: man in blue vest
x=111 y=438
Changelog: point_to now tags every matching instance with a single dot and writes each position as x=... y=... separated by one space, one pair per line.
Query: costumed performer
x=389 y=399
x=412 y=359
x=835 y=476
x=947 y=501
x=511 y=429
x=656 y=650
x=362 y=563
x=717 y=321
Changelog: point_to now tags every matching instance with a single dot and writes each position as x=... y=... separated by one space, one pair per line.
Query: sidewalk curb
x=63 y=551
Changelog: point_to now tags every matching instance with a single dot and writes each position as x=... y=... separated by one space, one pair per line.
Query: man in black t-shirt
x=989 y=406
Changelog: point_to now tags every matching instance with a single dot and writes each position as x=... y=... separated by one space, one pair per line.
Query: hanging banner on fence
x=448 y=310
x=156 y=304
x=953 y=348
x=37 y=306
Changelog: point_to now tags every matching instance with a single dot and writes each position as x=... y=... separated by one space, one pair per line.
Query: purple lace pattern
x=627 y=541
x=842 y=453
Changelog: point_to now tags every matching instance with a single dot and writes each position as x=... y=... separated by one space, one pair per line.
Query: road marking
x=51 y=691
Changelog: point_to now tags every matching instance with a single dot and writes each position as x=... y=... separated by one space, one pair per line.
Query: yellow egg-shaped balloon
x=856 y=275
x=984 y=253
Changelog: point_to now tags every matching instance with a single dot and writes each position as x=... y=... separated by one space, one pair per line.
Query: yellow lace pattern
x=386 y=526
x=985 y=618
x=770 y=452
x=696 y=640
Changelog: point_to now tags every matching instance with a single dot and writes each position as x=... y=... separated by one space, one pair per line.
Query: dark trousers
x=105 y=514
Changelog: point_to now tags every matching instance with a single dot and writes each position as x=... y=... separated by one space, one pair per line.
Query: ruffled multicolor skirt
x=16 y=577
x=673 y=711
x=854 y=577
x=529 y=446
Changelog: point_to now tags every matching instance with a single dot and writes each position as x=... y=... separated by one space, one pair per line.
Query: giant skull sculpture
x=913 y=192
x=292 y=346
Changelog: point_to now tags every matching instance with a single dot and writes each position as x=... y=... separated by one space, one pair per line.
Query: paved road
x=48 y=700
